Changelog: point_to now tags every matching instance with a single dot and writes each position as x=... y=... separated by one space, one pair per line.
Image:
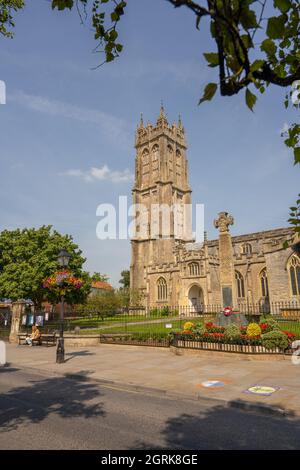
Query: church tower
x=161 y=181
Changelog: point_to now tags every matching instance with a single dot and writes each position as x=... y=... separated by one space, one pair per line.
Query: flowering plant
x=188 y=326
x=211 y=328
x=253 y=329
x=289 y=334
x=63 y=281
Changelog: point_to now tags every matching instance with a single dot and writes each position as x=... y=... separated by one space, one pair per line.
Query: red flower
x=289 y=334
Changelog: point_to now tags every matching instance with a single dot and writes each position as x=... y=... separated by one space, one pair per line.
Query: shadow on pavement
x=70 y=356
x=7 y=368
x=55 y=395
x=228 y=428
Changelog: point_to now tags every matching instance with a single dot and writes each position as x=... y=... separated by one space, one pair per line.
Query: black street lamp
x=63 y=259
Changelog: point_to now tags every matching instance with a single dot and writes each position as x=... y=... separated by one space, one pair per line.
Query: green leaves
x=104 y=22
x=276 y=27
x=212 y=58
x=296 y=155
x=294 y=219
x=256 y=65
x=28 y=256
x=250 y=99
x=62 y=4
x=268 y=46
x=209 y=92
x=248 y=17
x=6 y=18
x=282 y=5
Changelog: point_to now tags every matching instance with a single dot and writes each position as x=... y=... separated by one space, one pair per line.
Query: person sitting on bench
x=35 y=335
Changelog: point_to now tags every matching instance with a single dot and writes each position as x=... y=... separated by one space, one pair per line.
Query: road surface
x=40 y=412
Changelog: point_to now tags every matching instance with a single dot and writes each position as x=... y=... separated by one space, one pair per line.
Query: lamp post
x=63 y=259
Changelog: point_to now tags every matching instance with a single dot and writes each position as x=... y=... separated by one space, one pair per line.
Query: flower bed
x=262 y=338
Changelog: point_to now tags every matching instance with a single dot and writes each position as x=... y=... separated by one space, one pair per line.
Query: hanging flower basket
x=62 y=281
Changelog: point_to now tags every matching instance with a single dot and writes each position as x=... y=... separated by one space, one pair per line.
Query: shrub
x=275 y=339
x=154 y=312
x=265 y=327
x=273 y=324
x=232 y=332
x=199 y=328
x=165 y=312
x=253 y=329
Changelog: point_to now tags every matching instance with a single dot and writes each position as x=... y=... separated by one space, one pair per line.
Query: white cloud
x=103 y=173
x=114 y=128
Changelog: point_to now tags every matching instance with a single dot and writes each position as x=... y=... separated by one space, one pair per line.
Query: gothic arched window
x=162 y=290
x=294 y=273
x=240 y=287
x=264 y=283
x=145 y=156
x=247 y=249
x=155 y=151
x=194 y=269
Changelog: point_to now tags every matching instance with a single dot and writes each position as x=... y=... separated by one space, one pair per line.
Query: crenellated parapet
x=175 y=132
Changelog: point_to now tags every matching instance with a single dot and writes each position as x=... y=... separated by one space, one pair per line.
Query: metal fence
x=153 y=324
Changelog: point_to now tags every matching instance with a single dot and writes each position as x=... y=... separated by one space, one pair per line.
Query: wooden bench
x=47 y=339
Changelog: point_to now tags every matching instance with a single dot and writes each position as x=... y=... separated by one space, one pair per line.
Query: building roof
x=101 y=285
x=277 y=232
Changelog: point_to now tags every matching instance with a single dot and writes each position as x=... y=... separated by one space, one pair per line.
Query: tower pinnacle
x=162 y=119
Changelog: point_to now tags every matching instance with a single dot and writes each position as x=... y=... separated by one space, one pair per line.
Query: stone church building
x=172 y=270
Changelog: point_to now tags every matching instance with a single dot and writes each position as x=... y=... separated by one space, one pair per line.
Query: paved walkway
x=162 y=371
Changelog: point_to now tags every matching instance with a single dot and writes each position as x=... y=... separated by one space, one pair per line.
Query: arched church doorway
x=196 y=299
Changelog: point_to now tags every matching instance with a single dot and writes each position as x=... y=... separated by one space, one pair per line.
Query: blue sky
x=62 y=119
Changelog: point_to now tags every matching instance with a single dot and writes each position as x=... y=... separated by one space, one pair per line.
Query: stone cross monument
x=227 y=277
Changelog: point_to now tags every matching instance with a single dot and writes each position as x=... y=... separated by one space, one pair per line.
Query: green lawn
x=292 y=326
x=143 y=329
x=160 y=328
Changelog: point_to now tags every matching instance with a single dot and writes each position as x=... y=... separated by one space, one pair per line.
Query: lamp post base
x=60 y=351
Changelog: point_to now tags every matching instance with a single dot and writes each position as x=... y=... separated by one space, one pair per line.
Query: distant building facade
x=229 y=270
x=99 y=287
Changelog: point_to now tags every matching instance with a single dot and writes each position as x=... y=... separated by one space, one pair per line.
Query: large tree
x=125 y=279
x=29 y=256
x=256 y=44
x=99 y=277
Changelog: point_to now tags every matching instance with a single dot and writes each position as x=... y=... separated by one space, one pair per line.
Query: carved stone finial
x=162 y=118
x=223 y=221
x=179 y=121
x=142 y=121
